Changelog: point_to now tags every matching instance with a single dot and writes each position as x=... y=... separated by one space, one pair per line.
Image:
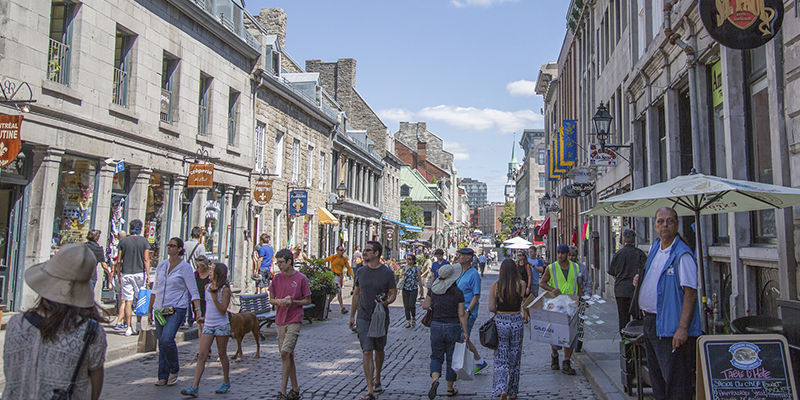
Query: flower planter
x=319 y=298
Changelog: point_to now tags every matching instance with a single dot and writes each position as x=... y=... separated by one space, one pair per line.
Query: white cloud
x=396 y=115
x=460 y=151
x=478 y=120
x=479 y=3
x=522 y=88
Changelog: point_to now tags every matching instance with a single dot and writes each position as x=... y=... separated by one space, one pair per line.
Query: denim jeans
x=671 y=373
x=167 y=349
x=443 y=341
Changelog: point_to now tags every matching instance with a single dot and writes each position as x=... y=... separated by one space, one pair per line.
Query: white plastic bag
x=463 y=362
x=562 y=303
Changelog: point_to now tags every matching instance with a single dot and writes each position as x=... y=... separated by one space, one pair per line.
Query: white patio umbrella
x=518 y=246
x=516 y=240
x=697 y=194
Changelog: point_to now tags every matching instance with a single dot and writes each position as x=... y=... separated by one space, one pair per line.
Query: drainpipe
x=691 y=61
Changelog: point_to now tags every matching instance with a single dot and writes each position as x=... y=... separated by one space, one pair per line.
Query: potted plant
x=321 y=282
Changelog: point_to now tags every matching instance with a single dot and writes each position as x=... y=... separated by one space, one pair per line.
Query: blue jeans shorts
x=224 y=330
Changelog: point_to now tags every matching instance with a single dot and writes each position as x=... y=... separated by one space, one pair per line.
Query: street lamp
x=549 y=204
x=602 y=125
x=341 y=190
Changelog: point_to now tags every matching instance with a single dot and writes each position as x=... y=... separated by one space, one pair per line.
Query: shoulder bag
x=488 y=334
x=88 y=337
x=428 y=318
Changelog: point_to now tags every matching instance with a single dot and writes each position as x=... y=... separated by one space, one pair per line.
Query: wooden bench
x=258 y=304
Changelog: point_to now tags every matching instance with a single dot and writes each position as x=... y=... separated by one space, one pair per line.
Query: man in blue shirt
x=263 y=259
x=482 y=262
x=438 y=261
x=470 y=284
x=538 y=266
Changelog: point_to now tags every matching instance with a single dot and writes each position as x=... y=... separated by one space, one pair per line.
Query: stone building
x=427 y=196
x=128 y=95
x=488 y=215
x=685 y=102
x=530 y=180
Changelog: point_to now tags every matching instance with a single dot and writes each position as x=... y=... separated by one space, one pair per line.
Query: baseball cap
x=562 y=248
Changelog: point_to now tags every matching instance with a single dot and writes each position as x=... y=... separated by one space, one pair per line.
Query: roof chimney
x=422 y=152
x=274 y=21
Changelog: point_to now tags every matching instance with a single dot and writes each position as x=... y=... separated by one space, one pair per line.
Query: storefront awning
x=409 y=227
x=326 y=218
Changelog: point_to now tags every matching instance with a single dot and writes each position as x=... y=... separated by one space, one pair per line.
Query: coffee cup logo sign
x=201 y=176
x=742 y=24
x=10 y=141
x=262 y=192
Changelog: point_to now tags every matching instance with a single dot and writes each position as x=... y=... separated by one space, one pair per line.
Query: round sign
x=742 y=24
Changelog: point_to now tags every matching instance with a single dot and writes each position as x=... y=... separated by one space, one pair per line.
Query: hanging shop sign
x=262 y=192
x=201 y=176
x=10 y=141
x=605 y=157
x=742 y=24
x=298 y=203
x=582 y=174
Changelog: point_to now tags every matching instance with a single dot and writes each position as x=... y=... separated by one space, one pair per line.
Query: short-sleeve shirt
x=445 y=306
x=295 y=285
x=98 y=254
x=371 y=282
x=33 y=367
x=482 y=259
x=436 y=266
x=132 y=248
x=535 y=262
x=470 y=283
x=266 y=253
x=411 y=283
x=193 y=250
x=688 y=274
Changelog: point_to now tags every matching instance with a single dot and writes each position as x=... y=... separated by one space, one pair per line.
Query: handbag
x=88 y=337
x=428 y=318
x=402 y=281
x=488 y=334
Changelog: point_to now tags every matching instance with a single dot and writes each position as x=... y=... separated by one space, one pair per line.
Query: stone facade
x=411 y=133
x=528 y=187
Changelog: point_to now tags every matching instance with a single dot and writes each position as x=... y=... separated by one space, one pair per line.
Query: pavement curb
x=129 y=349
x=602 y=383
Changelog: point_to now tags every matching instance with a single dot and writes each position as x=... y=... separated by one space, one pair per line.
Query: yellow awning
x=326 y=218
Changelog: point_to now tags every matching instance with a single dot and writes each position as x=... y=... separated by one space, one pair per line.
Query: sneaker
x=191 y=391
x=223 y=388
x=481 y=366
x=566 y=368
x=554 y=362
x=129 y=331
x=120 y=327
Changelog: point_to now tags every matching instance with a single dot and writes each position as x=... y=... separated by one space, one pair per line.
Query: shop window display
x=214 y=206
x=73 y=213
x=156 y=214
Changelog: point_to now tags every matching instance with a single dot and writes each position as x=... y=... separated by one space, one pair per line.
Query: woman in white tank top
x=215 y=326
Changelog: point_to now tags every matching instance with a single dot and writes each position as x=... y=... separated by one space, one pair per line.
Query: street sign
x=262 y=192
x=201 y=176
x=298 y=203
x=607 y=157
x=742 y=24
x=10 y=141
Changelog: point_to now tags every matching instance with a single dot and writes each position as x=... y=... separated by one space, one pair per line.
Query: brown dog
x=241 y=324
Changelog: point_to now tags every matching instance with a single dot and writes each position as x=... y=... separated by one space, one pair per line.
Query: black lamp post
x=602 y=125
x=341 y=190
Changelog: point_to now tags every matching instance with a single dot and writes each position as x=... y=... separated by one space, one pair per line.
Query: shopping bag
x=147 y=341
x=143 y=302
x=377 y=325
x=463 y=362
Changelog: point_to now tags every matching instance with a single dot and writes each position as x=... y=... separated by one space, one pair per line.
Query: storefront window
x=215 y=201
x=75 y=201
x=719 y=156
x=119 y=211
x=155 y=218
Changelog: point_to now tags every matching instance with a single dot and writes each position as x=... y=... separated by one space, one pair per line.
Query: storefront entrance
x=13 y=180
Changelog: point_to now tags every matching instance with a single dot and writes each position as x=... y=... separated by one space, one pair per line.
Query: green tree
x=506 y=219
x=408 y=210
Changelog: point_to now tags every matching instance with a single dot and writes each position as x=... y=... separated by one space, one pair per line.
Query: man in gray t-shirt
x=371 y=280
x=134 y=264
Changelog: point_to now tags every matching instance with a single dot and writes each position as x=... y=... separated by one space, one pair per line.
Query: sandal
x=368 y=396
x=161 y=382
x=408 y=324
x=432 y=391
x=377 y=388
x=293 y=395
x=512 y=396
x=191 y=391
x=413 y=323
x=173 y=379
x=223 y=388
x=451 y=393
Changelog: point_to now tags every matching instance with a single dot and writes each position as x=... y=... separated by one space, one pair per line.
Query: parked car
x=485 y=240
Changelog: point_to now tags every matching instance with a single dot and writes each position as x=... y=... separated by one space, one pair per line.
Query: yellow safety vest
x=565 y=285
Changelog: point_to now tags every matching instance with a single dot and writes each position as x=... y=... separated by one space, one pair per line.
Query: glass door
x=10 y=211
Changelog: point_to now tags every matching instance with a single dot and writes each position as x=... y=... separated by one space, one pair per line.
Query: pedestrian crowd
x=658 y=289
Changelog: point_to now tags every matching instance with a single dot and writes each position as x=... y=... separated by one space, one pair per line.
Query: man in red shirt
x=288 y=291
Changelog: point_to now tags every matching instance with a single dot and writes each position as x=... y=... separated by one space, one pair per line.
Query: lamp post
x=341 y=191
x=602 y=125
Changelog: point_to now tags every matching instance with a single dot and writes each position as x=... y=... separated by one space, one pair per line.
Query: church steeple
x=513 y=164
x=510 y=189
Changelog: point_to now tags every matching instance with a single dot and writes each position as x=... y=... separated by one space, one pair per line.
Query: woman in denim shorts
x=215 y=326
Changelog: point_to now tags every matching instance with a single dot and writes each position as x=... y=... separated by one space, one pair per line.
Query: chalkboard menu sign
x=744 y=367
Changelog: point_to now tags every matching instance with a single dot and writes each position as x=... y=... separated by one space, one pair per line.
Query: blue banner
x=298 y=203
x=571 y=140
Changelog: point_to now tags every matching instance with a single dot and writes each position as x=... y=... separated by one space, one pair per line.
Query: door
x=10 y=241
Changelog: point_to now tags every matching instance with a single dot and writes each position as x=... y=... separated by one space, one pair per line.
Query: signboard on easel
x=744 y=367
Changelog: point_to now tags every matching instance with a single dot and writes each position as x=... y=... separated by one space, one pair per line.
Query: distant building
x=488 y=215
x=530 y=177
x=511 y=183
x=476 y=191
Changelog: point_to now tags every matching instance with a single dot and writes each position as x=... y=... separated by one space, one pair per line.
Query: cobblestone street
x=329 y=366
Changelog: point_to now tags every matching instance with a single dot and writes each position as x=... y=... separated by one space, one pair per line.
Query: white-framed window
x=323 y=162
x=295 y=160
x=279 y=150
x=261 y=129
x=541 y=180
x=310 y=170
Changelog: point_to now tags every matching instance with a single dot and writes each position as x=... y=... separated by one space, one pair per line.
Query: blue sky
x=465 y=67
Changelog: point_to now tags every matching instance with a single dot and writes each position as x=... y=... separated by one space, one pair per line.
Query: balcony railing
x=202 y=123
x=58 y=63
x=232 y=130
x=120 y=93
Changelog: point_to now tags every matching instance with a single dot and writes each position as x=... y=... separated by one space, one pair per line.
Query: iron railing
x=120 y=92
x=58 y=63
x=202 y=122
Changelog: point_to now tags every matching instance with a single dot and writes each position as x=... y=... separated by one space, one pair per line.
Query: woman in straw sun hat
x=43 y=346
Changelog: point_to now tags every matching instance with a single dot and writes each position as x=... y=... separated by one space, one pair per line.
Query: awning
x=409 y=227
x=326 y=218
x=545 y=227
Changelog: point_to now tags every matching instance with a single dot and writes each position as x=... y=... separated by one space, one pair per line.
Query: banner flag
x=550 y=175
x=571 y=140
x=558 y=169
x=560 y=162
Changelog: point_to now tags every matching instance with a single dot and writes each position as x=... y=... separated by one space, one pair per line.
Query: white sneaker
x=129 y=331
x=138 y=326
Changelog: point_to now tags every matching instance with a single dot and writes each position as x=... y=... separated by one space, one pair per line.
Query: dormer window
x=405 y=191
